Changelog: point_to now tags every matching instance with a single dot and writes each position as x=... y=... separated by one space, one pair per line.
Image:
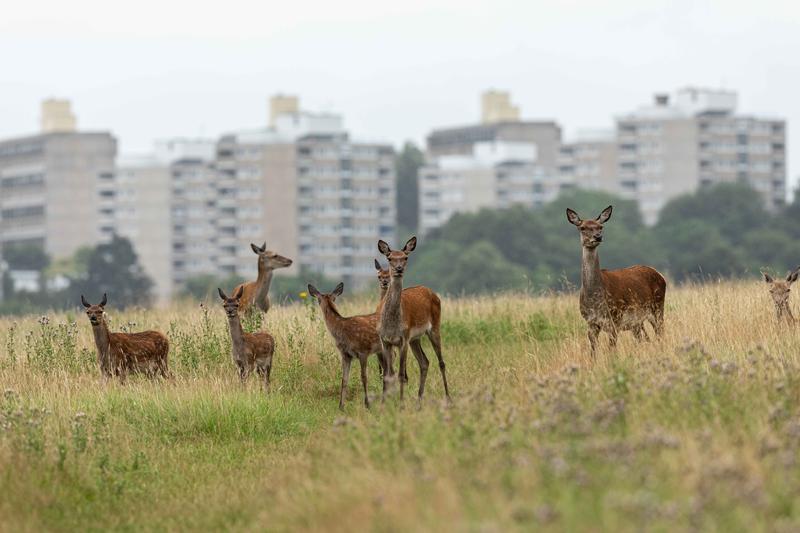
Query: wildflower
x=44 y=320
x=303 y=295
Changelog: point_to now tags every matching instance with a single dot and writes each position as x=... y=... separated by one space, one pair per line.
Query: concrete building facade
x=674 y=147
x=590 y=161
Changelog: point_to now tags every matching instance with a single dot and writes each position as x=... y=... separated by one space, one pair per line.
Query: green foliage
x=721 y=231
x=25 y=257
x=407 y=164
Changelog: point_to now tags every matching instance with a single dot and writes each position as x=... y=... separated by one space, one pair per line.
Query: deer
x=384 y=278
x=256 y=293
x=249 y=350
x=355 y=337
x=120 y=354
x=780 y=292
x=616 y=300
x=406 y=315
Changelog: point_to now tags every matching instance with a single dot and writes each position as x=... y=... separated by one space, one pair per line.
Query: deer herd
x=611 y=301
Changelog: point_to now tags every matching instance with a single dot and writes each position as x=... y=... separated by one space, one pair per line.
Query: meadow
x=699 y=430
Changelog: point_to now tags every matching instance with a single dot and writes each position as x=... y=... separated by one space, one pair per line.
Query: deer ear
x=410 y=245
x=573 y=217
x=792 y=277
x=377 y=266
x=84 y=302
x=767 y=277
x=255 y=248
x=339 y=289
x=222 y=294
x=104 y=301
x=312 y=290
x=264 y=247
x=237 y=294
x=605 y=215
x=383 y=247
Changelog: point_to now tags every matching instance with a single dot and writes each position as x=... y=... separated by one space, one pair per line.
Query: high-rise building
x=500 y=123
x=590 y=161
x=57 y=191
x=57 y=116
x=671 y=148
x=496 y=175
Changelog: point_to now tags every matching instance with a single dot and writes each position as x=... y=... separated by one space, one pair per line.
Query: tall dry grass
x=697 y=430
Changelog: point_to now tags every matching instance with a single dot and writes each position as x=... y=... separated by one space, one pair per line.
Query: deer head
x=780 y=289
x=384 y=277
x=95 y=312
x=231 y=305
x=326 y=298
x=591 y=230
x=269 y=260
x=397 y=258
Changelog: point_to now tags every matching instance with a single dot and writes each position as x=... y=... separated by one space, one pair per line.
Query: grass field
x=697 y=431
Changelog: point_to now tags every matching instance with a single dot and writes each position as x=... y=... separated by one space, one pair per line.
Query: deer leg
x=422 y=360
x=263 y=368
x=346 y=360
x=363 y=361
x=268 y=372
x=658 y=320
x=594 y=331
x=386 y=365
x=402 y=372
x=436 y=341
x=244 y=373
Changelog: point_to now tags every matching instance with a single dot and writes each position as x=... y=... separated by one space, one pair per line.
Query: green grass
x=697 y=431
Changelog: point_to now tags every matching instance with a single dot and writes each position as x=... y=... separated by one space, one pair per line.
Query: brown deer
x=120 y=354
x=616 y=300
x=780 y=292
x=257 y=292
x=249 y=350
x=384 y=278
x=355 y=337
x=404 y=316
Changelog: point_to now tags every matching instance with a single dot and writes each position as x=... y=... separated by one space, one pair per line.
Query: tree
x=26 y=257
x=407 y=164
x=113 y=268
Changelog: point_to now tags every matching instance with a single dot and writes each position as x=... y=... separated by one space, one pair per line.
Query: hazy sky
x=154 y=69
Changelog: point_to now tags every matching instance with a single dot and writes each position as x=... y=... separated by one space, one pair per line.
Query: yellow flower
x=304 y=295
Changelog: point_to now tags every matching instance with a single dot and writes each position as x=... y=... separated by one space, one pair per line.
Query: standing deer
x=404 y=316
x=779 y=290
x=616 y=300
x=120 y=354
x=249 y=350
x=257 y=292
x=355 y=337
x=384 y=278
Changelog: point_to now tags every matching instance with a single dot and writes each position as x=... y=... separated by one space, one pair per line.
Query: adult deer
x=616 y=300
x=404 y=316
x=257 y=292
x=249 y=350
x=780 y=290
x=120 y=354
x=384 y=278
x=355 y=337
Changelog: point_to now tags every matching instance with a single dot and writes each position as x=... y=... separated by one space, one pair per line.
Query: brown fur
x=249 y=350
x=780 y=290
x=405 y=315
x=257 y=292
x=120 y=354
x=355 y=337
x=616 y=300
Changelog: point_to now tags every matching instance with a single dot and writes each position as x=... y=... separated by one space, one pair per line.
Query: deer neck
x=102 y=339
x=237 y=335
x=784 y=313
x=263 y=282
x=591 y=280
x=333 y=319
x=391 y=320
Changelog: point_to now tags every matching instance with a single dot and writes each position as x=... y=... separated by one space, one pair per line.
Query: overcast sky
x=395 y=70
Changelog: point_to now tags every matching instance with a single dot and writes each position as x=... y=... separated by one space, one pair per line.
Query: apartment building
x=500 y=123
x=310 y=192
x=57 y=189
x=496 y=175
x=674 y=146
x=590 y=161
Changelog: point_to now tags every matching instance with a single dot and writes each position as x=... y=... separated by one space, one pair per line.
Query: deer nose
x=598 y=238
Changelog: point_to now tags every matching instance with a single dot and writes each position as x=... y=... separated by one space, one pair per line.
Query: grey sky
x=154 y=69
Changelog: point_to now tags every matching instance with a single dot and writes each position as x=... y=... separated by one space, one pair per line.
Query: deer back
x=636 y=287
x=259 y=345
x=136 y=350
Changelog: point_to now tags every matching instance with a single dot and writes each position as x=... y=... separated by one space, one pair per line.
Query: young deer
x=616 y=300
x=384 y=278
x=404 y=316
x=257 y=292
x=780 y=289
x=120 y=354
x=355 y=337
x=249 y=350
